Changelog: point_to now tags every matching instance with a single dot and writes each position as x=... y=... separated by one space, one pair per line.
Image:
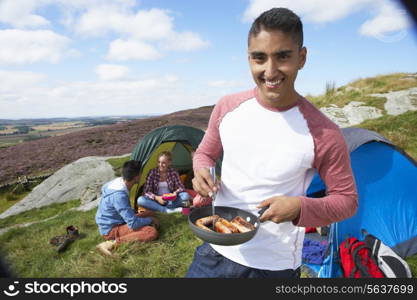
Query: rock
x=336 y=115
x=352 y=114
x=356 y=112
x=81 y=179
x=88 y=205
x=400 y=102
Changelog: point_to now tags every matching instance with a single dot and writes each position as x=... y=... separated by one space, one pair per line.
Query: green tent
x=179 y=139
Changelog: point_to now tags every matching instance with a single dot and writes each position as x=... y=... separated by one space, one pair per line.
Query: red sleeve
x=332 y=161
x=210 y=147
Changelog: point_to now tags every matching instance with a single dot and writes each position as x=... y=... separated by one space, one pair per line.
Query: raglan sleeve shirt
x=331 y=160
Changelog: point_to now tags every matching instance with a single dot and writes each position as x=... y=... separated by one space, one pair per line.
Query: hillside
x=45 y=156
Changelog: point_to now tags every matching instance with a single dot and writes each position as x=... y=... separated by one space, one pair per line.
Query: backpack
x=357 y=261
x=388 y=261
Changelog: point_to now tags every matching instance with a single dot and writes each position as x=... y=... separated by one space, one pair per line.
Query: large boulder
x=81 y=179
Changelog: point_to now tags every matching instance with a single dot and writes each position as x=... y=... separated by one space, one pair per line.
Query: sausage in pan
x=203 y=223
x=241 y=224
x=224 y=226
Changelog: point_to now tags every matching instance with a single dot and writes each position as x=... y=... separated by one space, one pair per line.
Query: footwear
x=72 y=232
x=62 y=241
x=106 y=247
x=173 y=210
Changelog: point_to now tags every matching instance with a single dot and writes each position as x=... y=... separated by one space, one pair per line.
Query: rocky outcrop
x=356 y=112
x=81 y=179
x=352 y=114
x=400 y=102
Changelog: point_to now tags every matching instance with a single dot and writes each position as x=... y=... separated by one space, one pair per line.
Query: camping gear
x=181 y=140
x=388 y=261
x=314 y=251
x=227 y=213
x=385 y=177
x=357 y=260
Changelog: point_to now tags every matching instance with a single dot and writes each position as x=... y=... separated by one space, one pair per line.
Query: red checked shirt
x=152 y=182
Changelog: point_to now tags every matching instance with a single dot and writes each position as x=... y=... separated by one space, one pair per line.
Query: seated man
x=164 y=180
x=116 y=220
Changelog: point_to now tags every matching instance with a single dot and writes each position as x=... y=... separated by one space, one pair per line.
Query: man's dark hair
x=131 y=168
x=281 y=19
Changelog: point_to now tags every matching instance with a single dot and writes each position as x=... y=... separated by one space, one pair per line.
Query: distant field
x=39 y=131
x=59 y=126
x=10 y=140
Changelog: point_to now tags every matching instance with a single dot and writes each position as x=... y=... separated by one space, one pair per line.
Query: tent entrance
x=181 y=161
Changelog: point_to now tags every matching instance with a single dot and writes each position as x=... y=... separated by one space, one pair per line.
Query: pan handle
x=262 y=210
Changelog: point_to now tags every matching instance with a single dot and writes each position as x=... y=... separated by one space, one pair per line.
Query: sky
x=75 y=58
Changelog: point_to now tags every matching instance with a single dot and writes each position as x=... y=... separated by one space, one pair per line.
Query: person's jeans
x=208 y=263
x=154 y=205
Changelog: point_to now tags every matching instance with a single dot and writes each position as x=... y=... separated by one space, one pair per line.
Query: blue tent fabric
x=386 y=179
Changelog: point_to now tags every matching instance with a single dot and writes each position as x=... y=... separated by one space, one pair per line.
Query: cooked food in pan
x=236 y=225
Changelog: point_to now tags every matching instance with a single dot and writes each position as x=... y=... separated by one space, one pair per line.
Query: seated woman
x=163 y=180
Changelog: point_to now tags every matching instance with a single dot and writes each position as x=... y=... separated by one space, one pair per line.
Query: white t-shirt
x=163 y=188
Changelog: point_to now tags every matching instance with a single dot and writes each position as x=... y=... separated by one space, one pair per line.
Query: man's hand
x=281 y=209
x=203 y=183
x=160 y=200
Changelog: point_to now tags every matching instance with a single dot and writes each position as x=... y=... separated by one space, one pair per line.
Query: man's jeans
x=154 y=205
x=207 y=263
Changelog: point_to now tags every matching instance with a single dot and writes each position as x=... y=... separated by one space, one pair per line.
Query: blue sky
x=61 y=58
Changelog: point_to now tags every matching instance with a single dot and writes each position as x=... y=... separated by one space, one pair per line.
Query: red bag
x=357 y=260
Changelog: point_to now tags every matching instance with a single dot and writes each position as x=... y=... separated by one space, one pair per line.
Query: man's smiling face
x=274 y=59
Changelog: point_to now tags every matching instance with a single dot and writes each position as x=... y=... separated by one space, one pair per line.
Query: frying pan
x=228 y=213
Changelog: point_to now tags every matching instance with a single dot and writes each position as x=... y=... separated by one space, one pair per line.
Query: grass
x=401 y=130
x=30 y=255
x=9 y=196
x=361 y=90
x=386 y=83
x=38 y=214
x=117 y=164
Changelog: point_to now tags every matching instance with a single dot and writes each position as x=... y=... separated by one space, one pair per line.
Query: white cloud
x=20 y=46
x=153 y=24
x=185 y=41
x=151 y=31
x=13 y=81
x=224 y=83
x=111 y=72
x=18 y=13
x=32 y=95
x=144 y=34
x=317 y=11
x=387 y=19
x=122 y=50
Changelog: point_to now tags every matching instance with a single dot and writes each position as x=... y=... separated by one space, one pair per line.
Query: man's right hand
x=203 y=183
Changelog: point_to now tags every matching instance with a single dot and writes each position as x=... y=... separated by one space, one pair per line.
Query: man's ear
x=303 y=57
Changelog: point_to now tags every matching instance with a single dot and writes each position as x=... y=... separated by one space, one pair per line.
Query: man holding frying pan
x=272 y=140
